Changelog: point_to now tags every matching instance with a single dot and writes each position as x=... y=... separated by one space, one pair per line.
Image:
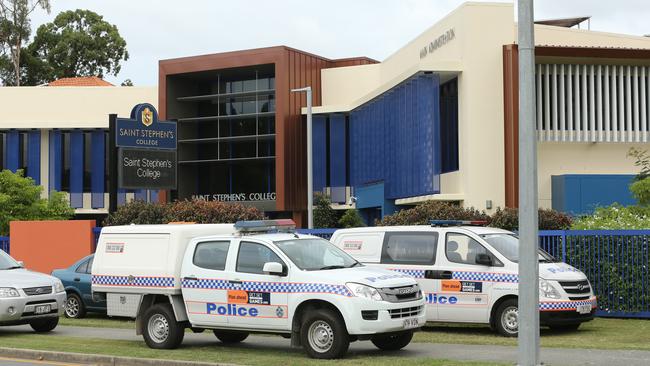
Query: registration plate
x=411 y=323
x=42 y=309
x=584 y=309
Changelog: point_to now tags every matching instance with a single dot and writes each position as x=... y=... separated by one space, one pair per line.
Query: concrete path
x=7 y=361
x=507 y=354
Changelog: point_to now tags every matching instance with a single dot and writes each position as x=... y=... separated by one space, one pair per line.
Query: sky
x=163 y=29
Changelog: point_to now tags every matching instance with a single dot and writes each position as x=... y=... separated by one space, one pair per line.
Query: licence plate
x=584 y=309
x=411 y=323
x=42 y=309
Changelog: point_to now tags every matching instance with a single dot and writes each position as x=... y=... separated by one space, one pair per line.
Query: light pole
x=310 y=186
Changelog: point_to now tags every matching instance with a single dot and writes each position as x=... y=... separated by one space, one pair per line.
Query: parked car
x=76 y=280
x=28 y=297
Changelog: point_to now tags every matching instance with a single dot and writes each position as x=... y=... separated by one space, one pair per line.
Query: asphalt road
x=549 y=356
x=4 y=361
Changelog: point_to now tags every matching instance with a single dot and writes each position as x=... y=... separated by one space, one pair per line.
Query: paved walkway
x=550 y=356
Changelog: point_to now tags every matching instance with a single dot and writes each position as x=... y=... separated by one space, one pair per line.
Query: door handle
x=438 y=275
x=190 y=278
x=234 y=282
x=77 y=279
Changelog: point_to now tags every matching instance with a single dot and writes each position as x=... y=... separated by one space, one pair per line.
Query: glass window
x=90 y=265
x=3 y=163
x=83 y=267
x=508 y=246
x=252 y=256
x=315 y=254
x=87 y=161
x=410 y=248
x=6 y=262
x=24 y=152
x=65 y=163
x=250 y=85
x=211 y=255
x=460 y=248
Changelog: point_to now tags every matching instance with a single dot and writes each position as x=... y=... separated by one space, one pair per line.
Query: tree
x=20 y=199
x=324 y=214
x=351 y=218
x=641 y=186
x=15 y=29
x=127 y=82
x=76 y=43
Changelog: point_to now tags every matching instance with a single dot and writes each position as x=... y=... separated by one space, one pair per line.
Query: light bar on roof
x=265 y=225
x=457 y=222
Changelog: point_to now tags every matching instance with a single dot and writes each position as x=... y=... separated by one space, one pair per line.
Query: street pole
x=528 y=237
x=112 y=164
x=310 y=186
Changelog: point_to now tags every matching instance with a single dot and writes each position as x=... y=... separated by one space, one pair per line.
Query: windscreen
x=315 y=254
x=6 y=262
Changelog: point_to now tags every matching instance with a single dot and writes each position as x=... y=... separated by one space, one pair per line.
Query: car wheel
x=230 y=336
x=74 y=307
x=44 y=325
x=507 y=318
x=323 y=334
x=392 y=342
x=161 y=330
x=565 y=327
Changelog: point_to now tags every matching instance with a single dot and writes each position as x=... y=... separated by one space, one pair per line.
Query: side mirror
x=21 y=263
x=273 y=268
x=483 y=259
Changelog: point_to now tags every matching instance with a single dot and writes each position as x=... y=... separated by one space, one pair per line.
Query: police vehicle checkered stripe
x=485 y=277
x=417 y=273
x=277 y=287
x=564 y=305
x=137 y=281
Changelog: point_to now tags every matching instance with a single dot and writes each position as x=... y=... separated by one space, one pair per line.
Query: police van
x=254 y=276
x=469 y=274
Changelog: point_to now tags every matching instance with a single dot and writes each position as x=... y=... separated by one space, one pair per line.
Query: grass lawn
x=94 y=320
x=239 y=354
x=601 y=333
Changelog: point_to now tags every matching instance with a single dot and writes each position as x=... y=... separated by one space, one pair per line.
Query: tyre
x=565 y=327
x=161 y=330
x=74 y=307
x=507 y=318
x=392 y=342
x=230 y=336
x=44 y=325
x=323 y=334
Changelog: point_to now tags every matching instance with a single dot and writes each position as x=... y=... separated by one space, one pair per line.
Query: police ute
x=251 y=277
x=469 y=273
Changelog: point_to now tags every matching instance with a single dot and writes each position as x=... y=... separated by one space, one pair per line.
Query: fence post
x=564 y=245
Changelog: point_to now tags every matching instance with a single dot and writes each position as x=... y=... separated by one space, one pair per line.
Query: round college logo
x=279 y=312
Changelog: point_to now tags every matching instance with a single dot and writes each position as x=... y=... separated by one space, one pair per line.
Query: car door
x=464 y=285
x=256 y=298
x=82 y=281
x=413 y=253
x=204 y=282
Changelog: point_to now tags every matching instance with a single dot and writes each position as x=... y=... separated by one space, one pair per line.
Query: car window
x=410 y=248
x=83 y=267
x=460 y=248
x=89 y=268
x=252 y=256
x=211 y=255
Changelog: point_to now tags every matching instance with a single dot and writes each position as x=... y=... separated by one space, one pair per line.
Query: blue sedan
x=76 y=280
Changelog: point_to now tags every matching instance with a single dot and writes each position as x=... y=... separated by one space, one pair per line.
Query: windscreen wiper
x=332 y=267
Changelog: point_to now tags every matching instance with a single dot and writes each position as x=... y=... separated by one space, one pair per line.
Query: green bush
x=641 y=191
x=508 y=219
x=432 y=210
x=324 y=215
x=198 y=211
x=351 y=218
x=20 y=199
x=615 y=217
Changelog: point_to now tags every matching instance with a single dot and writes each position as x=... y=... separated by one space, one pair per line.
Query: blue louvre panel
x=319 y=152
x=13 y=150
x=121 y=197
x=76 y=168
x=97 y=170
x=337 y=157
x=153 y=196
x=56 y=160
x=140 y=194
x=34 y=156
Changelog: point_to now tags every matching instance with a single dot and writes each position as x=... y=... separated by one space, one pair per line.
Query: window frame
x=225 y=263
x=495 y=260
x=386 y=259
x=242 y=242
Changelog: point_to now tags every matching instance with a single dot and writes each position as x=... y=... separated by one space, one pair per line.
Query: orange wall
x=48 y=245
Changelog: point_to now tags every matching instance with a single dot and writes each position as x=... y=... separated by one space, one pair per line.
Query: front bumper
x=565 y=312
x=390 y=317
x=20 y=310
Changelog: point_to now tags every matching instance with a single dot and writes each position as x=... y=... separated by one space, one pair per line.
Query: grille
x=33 y=291
x=576 y=287
x=405 y=312
x=400 y=294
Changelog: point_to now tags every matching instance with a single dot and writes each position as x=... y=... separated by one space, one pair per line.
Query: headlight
x=58 y=287
x=8 y=292
x=547 y=290
x=364 y=291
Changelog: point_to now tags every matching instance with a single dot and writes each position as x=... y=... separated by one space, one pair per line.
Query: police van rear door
x=204 y=282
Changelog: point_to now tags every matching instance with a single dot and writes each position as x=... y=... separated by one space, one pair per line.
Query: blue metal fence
x=4 y=244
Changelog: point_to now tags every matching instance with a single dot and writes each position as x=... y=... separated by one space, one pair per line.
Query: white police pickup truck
x=255 y=276
x=469 y=274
